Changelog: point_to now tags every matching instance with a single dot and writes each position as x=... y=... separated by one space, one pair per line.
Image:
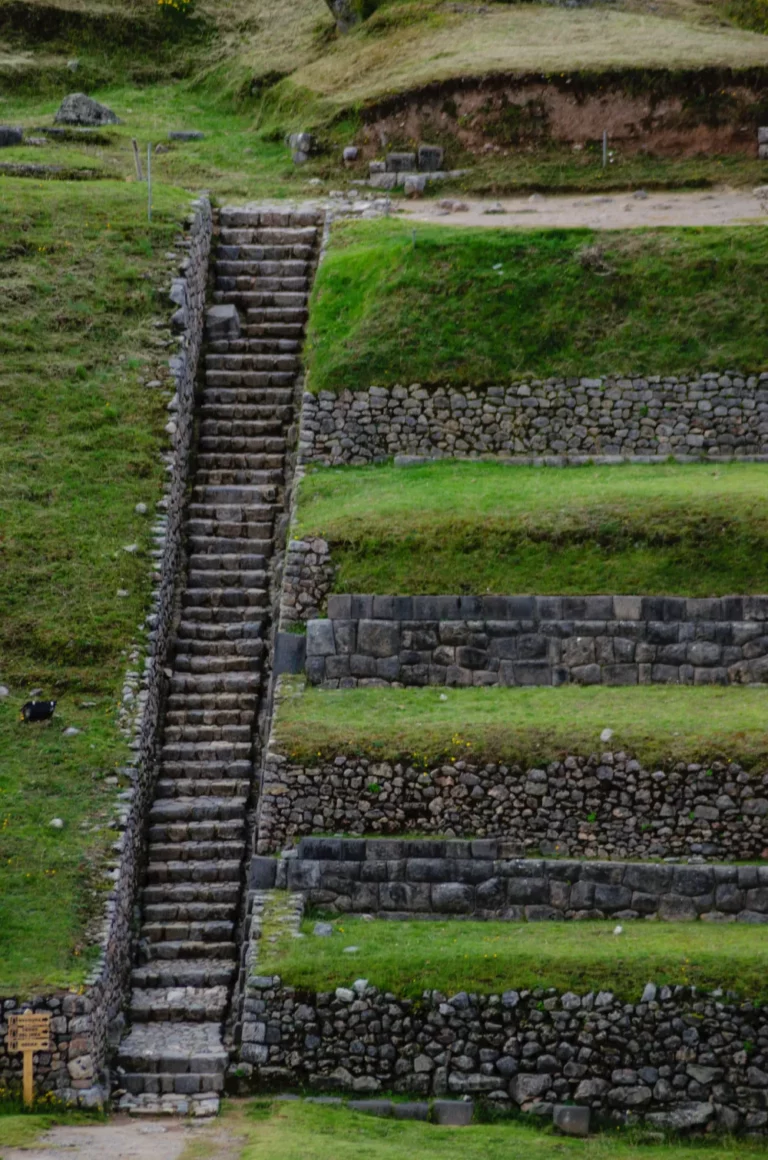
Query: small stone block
x=381 y=1108
x=401 y=162
x=762 y=135
x=411 y=1111
x=571 y=1121
x=263 y=873
x=290 y=653
x=430 y=158
x=185 y=135
x=453 y=1113
x=10 y=135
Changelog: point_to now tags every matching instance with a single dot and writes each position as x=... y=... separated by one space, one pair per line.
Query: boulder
x=683 y=1117
x=79 y=109
x=10 y=135
x=571 y=1121
x=186 y=135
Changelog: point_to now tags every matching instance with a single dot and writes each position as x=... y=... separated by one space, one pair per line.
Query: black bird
x=38 y=710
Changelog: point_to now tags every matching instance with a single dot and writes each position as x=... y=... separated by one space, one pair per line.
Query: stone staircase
x=174 y=1057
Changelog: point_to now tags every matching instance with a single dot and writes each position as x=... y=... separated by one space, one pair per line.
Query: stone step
x=263 y=300
x=196 y=810
x=232 y=830
x=249 y=397
x=249 y=412
x=177 y=787
x=200 y=544
x=177 y=932
x=177 y=1004
x=265 y=380
x=258 y=315
x=194 y=731
x=194 y=871
x=189 y=912
x=236 y=263
x=214 y=700
x=229 y=562
x=191 y=894
x=200 y=578
x=195 y=851
x=186 y=949
x=219 y=614
x=184 y=973
x=206 y=1105
x=248 y=633
x=177 y=1048
x=228 y=598
x=251 y=649
x=242 y=360
x=269 y=328
x=272 y=284
x=215 y=752
x=244 y=496
x=251 y=250
x=214 y=665
x=236 y=216
x=275 y=420
x=246 y=463
x=198 y=717
x=220 y=474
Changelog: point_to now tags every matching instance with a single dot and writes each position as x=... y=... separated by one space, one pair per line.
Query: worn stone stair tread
x=230 y=543
x=208 y=831
x=165 y=1003
x=194 y=871
x=196 y=1044
x=198 y=1106
x=187 y=949
x=158 y=912
x=187 y=787
x=199 y=807
x=183 y=973
x=201 y=932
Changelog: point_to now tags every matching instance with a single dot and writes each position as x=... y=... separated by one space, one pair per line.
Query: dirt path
x=126 y=1139
x=608 y=212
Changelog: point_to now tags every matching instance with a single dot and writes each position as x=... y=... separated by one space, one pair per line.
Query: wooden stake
x=137 y=159
x=28 y=1078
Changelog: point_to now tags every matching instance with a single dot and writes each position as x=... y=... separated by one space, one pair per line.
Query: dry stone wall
x=606 y=806
x=706 y=415
x=538 y=640
x=84 y=1025
x=675 y=1058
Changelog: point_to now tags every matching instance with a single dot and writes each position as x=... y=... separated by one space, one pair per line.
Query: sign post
x=29 y=1033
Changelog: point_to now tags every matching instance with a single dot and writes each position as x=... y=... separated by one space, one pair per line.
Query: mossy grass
x=658 y=724
x=470 y=527
x=395 y=303
x=277 y=1131
x=410 y=957
x=84 y=278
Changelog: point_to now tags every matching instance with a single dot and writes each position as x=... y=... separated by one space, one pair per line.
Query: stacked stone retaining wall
x=675 y=1058
x=604 y=806
x=698 y=415
x=538 y=640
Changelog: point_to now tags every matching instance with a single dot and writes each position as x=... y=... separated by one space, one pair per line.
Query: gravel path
x=608 y=211
x=121 y=1139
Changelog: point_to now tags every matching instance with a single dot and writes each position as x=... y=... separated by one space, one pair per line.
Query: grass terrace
x=396 y=304
x=463 y=527
x=83 y=278
x=655 y=723
x=410 y=957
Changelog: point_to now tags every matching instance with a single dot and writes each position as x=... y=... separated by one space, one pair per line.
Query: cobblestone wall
x=538 y=640
x=604 y=806
x=703 y=415
x=675 y=1058
x=84 y=1024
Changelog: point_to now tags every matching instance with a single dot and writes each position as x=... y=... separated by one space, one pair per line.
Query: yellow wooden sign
x=29 y=1033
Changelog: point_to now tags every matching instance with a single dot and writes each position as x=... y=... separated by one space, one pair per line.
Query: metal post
x=605 y=148
x=149 y=181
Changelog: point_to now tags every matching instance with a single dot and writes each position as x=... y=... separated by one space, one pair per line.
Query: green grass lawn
x=394 y=303
x=534 y=725
x=23 y=1129
x=409 y=958
x=453 y=527
x=287 y=1131
x=83 y=277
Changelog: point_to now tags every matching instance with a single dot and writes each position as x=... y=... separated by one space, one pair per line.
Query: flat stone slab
x=195 y=1042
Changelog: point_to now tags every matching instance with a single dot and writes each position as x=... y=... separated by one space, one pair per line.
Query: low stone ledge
x=463 y=641
x=483 y=879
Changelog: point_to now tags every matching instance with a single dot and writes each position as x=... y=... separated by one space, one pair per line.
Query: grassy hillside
x=696 y=530
x=392 y=304
x=83 y=279
x=657 y=723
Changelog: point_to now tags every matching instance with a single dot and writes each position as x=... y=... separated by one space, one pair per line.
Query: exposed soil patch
x=666 y=116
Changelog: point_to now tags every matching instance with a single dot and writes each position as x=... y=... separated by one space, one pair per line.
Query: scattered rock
x=71 y=731
x=4 y=691
x=496 y=207
x=322 y=930
x=10 y=135
x=79 y=109
x=606 y=735
x=301 y=145
x=140 y=509
x=73 y=65
x=130 y=548
x=640 y=195
x=122 y=593
x=35 y=692
x=351 y=950
x=56 y=824
x=186 y=135
x=351 y=154
x=452 y=206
